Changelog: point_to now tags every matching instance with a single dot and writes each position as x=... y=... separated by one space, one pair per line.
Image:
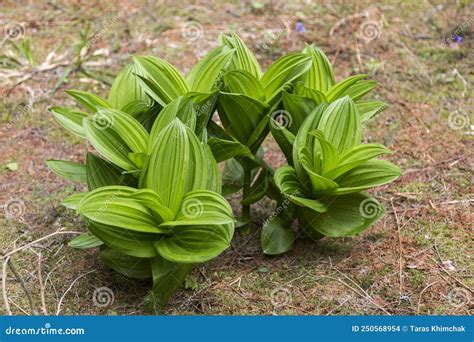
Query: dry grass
x=416 y=260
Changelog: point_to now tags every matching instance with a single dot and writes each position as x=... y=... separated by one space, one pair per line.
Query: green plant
x=153 y=204
x=329 y=169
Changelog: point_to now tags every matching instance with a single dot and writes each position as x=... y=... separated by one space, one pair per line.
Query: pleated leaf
x=111 y=205
x=347 y=215
x=242 y=59
x=109 y=144
x=85 y=241
x=340 y=124
x=127 y=88
x=90 y=101
x=132 y=267
x=205 y=74
x=367 y=175
x=169 y=165
x=69 y=170
x=321 y=75
x=242 y=82
x=161 y=80
x=288 y=68
x=70 y=118
x=129 y=242
x=240 y=114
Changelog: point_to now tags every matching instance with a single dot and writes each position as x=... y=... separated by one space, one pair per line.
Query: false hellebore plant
x=154 y=204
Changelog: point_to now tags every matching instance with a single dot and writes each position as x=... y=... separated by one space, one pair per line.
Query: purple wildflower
x=299 y=27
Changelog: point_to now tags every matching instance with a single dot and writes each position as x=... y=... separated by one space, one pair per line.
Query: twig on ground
x=400 y=249
x=58 y=310
x=42 y=286
x=421 y=295
x=4 y=286
x=23 y=285
x=38 y=240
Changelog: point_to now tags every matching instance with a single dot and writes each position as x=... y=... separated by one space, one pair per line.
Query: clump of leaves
x=154 y=205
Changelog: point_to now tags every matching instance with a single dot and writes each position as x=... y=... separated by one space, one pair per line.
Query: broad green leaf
x=206 y=73
x=340 y=124
x=69 y=170
x=304 y=139
x=108 y=143
x=242 y=59
x=370 y=174
x=111 y=205
x=85 y=241
x=241 y=82
x=88 y=100
x=277 y=236
x=167 y=278
x=287 y=181
x=182 y=108
x=286 y=69
x=226 y=149
x=368 y=109
x=129 y=242
x=326 y=151
x=232 y=177
x=129 y=129
x=259 y=134
x=195 y=244
x=240 y=114
x=347 y=215
x=153 y=201
x=161 y=80
x=315 y=95
x=258 y=188
x=102 y=173
x=202 y=207
x=284 y=139
x=202 y=229
x=72 y=201
x=205 y=106
x=298 y=108
x=126 y=265
x=319 y=184
x=169 y=165
x=338 y=89
x=359 y=89
x=320 y=76
x=70 y=118
x=127 y=88
x=356 y=156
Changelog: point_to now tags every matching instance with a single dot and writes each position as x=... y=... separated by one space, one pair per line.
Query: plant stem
x=246 y=193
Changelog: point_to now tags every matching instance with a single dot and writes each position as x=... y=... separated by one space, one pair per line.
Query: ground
x=416 y=260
